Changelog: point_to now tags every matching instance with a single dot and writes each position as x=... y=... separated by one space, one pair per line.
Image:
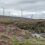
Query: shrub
x=15 y=41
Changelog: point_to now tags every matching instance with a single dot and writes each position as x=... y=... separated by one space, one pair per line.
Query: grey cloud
x=24 y=4
x=30 y=5
x=34 y=5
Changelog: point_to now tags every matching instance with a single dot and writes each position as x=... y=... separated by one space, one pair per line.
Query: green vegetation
x=15 y=41
x=38 y=27
x=26 y=24
x=31 y=41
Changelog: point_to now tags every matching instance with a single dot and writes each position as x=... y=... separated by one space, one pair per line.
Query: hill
x=33 y=25
x=17 y=31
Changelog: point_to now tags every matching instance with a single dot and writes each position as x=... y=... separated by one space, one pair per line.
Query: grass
x=31 y=41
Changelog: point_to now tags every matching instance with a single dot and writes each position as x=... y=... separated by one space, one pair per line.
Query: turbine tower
x=9 y=13
x=21 y=13
x=32 y=16
x=3 y=11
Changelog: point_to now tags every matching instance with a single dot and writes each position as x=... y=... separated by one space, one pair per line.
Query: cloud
x=35 y=7
x=31 y=4
x=24 y=4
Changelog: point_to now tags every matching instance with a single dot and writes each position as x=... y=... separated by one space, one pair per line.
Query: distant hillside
x=14 y=29
x=33 y=25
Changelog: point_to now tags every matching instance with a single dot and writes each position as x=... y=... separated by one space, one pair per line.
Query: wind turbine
x=32 y=16
x=21 y=12
x=3 y=11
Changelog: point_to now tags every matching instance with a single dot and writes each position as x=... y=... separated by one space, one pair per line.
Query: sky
x=28 y=7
